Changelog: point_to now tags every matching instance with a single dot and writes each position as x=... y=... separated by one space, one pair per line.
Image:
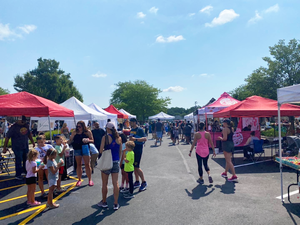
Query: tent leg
x=50 y=129
x=280 y=153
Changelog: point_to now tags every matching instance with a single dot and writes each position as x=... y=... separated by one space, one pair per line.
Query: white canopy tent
x=189 y=116
x=113 y=117
x=162 y=116
x=81 y=112
x=127 y=113
x=289 y=94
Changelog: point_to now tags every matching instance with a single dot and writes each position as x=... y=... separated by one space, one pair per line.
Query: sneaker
x=200 y=181
x=19 y=178
x=224 y=175
x=143 y=186
x=210 y=179
x=136 y=184
x=102 y=204
x=233 y=179
x=128 y=196
x=116 y=206
x=125 y=190
x=121 y=188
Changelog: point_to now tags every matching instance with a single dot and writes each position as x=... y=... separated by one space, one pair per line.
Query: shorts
x=228 y=146
x=52 y=182
x=138 y=151
x=114 y=169
x=159 y=134
x=122 y=167
x=61 y=170
x=30 y=180
x=78 y=152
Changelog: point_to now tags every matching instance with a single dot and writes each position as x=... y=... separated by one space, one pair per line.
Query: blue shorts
x=159 y=134
x=114 y=169
x=78 y=152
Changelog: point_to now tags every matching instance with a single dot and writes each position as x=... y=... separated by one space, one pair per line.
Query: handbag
x=106 y=162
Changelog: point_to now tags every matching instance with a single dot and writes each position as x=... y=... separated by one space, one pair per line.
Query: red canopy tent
x=24 y=103
x=256 y=106
x=113 y=110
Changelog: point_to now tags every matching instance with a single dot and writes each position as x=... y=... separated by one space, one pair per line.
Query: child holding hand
x=31 y=167
x=53 y=168
x=128 y=167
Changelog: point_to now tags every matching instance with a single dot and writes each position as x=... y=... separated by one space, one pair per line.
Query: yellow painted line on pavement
x=7 y=173
x=20 y=213
x=44 y=206
x=74 y=178
x=20 y=185
x=7 y=179
x=38 y=192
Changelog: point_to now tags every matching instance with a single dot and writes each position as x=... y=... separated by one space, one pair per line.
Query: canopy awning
x=289 y=94
x=113 y=117
x=189 y=116
x=256 y=106
x=113 y=110
x=127 y=113
x=162 y=116
x=24 y=103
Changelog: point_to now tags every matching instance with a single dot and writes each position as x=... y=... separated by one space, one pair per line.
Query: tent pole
x=50 y=129
x=280 y=153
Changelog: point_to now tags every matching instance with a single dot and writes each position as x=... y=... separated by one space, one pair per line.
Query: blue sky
x=192 y=50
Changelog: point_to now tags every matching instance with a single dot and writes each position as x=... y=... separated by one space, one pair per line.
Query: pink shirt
x=202 y=145
x=29 y=166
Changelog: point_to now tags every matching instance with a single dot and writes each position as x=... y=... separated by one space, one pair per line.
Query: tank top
x=230 y=135
x=115 y=149
x=77 y=141
x=202 y=146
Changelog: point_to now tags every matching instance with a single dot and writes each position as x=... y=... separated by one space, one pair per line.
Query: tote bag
x=105 y=162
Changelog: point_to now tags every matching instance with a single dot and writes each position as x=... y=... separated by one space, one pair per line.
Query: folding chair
x=258 y=150
x=4 y=164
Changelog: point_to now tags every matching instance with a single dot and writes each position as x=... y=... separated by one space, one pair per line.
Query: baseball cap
x=133 y=120
x=110 y=125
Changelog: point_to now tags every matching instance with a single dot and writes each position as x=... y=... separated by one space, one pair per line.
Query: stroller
x=292 y=145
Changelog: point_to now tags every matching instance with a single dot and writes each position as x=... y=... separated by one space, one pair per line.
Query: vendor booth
x=113 y=110
x=127 y=113
x=113 y=117
x=162 y=116
x=289 y=94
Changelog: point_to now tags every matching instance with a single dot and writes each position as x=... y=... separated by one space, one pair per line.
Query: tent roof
x=189 y=116
x=289 y=94
x=82 y=111
x=99 y=109
x=162 y=115
x=256 y=106
x=24 y=103
x=113 y=110
x=127 y=113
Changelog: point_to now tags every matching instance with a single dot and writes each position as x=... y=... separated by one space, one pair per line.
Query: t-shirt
x=181 y=125
x=19 y=136
x=52 y=176
x=59 y=149
x=153 y=127
x=158 y=126
x=187 y=129
x=29 y=166
x=97 y=135
x=147 y=125
x=123 y=148
x=137 y=133
x=128 y=167
x=43 y=150
x=251 y=142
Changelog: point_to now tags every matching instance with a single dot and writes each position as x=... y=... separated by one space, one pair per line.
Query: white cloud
x=98 y=75
x=161 y=39
x=140 y=15
x=256 y=18
x=226 y=16
x=206 y=9
x=174 y=89
x=191 y=14
x=274 y=8
x=153 y=10
x=203 y=75
x=27 y=28
x=6 y=33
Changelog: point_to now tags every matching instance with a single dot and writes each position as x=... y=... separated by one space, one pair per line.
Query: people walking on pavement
x=159 y=131
x=202 y=139
x=138 y=136
x=228 y=149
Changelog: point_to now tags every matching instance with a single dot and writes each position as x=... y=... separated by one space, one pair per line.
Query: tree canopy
x=3 y=91
x=283 y=69
x=139 y=98
x=48 y=81
x=179 y=111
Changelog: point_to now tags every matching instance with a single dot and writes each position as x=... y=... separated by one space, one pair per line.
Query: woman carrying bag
x=111 y=142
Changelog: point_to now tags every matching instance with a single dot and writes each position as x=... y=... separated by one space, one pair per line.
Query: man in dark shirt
x=158 y=130
x=187 y=132
x=98 y=133
x=19 y=134
x=182 y=125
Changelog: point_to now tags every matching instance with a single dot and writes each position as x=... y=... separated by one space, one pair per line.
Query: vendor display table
x=291 y=162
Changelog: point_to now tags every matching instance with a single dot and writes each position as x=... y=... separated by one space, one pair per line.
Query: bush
x=270 y=132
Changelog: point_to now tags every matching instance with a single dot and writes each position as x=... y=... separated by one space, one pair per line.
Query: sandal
x=91 y=183
x=78 y=183
x=35 y=203
x=53 y=206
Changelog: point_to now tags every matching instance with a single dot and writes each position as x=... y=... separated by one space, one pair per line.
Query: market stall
x=113 y=117
x=127 y=113
x=162 y=116
x=113 y=110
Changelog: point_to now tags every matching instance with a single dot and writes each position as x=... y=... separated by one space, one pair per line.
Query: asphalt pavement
x=173 y=196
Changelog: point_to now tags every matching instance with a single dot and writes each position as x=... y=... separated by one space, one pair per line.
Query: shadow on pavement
x=293 y=209
x=199 y=191
x=227 y=188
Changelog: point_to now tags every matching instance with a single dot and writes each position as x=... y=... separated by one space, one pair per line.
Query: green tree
x=48 y=81
x=283 y=69
x=3 y=91
x=177 y=111
x=139 y=98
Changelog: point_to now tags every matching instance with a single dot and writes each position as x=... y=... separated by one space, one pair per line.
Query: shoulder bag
x=105 y=162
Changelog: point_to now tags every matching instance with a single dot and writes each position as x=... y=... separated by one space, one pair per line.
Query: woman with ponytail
x=112 y=141
x=202 y=139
